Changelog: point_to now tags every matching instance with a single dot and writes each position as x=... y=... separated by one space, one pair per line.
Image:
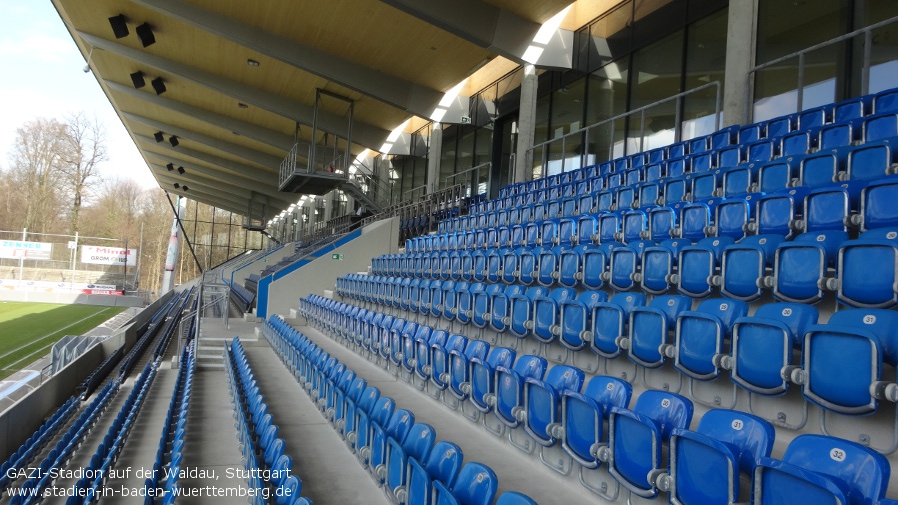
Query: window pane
x=607 y=98
x=787 y=27
x=657 y=70
x=705 y=63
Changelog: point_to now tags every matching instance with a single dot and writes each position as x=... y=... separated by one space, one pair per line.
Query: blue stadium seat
x=548 y=265
x=763 y=346
x=723 y=137
x=700 y=337
x=697 y=266
x=583 y=415
x=438 y=371
x=610 y=321
x=731 y=217
x=442 y=465
x=843 y=358
x=695 y=218
x=706 y=464
x=841 y=134
x=822 y=168
x=623 y=264
x=595 y=263
x=872 y=161
x=868 y=269
x=815 y=117
x=542 y=401
x=521 y=308
x=650 y=327
x=636 y=438
x=661 y=221
x=570 y=266
x=509 y=384
x=547 y=313
x=476 y=484
x=885 y=101
x=657 y=264
x=575 y=317
x=460 y=367
x=744 y=266
x=776 y=213
x=880 y=127
x=482 y=376
x=499 y=307
x=877 y=206
x=820 y=469
x=396 y=429
x=799 y=143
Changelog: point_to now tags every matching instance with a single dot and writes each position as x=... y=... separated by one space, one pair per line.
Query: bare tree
x=35 y=171
x=83 y=150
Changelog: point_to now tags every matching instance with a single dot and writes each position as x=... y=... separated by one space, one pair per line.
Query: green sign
x=336 y=256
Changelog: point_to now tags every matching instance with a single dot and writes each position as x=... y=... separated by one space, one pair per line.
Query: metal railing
x=211 y=295
x=583 y=134
x=476 y=182
x=867 y=32
x=288 y=164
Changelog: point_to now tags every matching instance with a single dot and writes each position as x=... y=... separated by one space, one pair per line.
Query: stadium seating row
x=552 y=407
x=794 y=134
x=171 y=441
x=36 y=442
x=716 y=336
x=257 y=433
x=400 y=455
x=88 y=488
x=33 y=488
x=801 y=249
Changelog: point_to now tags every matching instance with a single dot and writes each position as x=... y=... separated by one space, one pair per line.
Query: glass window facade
x=827 y=74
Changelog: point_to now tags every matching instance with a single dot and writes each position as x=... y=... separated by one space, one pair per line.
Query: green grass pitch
x=29 y=330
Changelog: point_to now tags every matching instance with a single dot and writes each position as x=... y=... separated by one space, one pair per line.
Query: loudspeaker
x=181 y=170
x=138 y=80
x=185 y=188
x=170 y=166
x=173 y=141
x=159 y=136
x=158 y=85
x=119 y=26
x=145 y=34
x=176 y=185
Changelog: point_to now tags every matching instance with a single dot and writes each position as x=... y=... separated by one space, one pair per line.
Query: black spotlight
x=158 y=85
x=173 y=141
x=145 y=34
x=119 y=26
x=185 y=188
x=181 y=170
x=159 y=136
x=177 y=185
x=138 y=80
x=170 y=166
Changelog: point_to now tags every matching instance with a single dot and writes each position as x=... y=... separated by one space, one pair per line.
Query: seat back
x=878 y=207
x=871 y=161
x=842 y=358
x=442 y=465
x=705 y=464
x=762 y=345
x=700 y=335
x=476 y=484
x=636 y=437
x=821 y=469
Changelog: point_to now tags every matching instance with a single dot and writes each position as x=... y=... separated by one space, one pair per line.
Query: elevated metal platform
x=312 y=183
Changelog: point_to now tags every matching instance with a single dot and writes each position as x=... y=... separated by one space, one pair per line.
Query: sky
x=43 y=76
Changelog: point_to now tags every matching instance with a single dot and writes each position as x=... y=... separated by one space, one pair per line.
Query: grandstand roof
x=240 y=76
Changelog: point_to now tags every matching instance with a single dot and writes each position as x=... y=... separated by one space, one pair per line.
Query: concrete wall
x=23 y=418
x=259 y=264
x=376 y=239
x=70 y=298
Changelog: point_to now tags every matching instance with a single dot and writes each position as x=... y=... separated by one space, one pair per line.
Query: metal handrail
x=477 y=168
x=867 y=32
x=641 y=110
